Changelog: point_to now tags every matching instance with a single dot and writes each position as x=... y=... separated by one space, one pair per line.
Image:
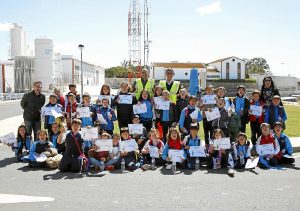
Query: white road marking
x=12 y=198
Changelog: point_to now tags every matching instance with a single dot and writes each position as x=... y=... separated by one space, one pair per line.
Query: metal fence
x=11 y=96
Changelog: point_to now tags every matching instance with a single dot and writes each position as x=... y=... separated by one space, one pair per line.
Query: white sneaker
x=230 y=172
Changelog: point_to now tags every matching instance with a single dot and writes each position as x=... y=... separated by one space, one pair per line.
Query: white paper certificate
x=104 y=145
x=101 y=119
x=194 y=114
x=209 y=99
x=175 y=155
x=223 y=143
x=251 y=163
x=214 y=114
x=128 y=146
x=9 y=138
x=40 y=157
x=136 y=129
x=125 y=99
x=157 y=100
x=56 y=114
x=197 y=151
x=265 y=149
x=153 y=150
x=108 y=97
x=163 y=105
x=256 y=110
x=48 y=111
x=89 y=133
x=83 y=112
x=140 y=109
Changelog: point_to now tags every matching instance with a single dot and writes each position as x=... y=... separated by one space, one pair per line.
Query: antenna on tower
x=146 y=33
x=134 y=33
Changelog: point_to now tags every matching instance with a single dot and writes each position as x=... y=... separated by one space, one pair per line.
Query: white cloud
x=4 y=27
x=210 y=8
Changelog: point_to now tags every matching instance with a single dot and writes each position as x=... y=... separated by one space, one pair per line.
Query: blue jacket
x=276 y=114
x=241 y=149
x=89 y=121
x=37 y=148
x=184 y=114
x=54 y=140
x=149 y=114
x=20 y=145
x=166 y=150
x=110 y=122
x=285 y=144
x=188 y=141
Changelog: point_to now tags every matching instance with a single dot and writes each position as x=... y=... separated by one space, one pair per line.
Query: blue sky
x=189 y=30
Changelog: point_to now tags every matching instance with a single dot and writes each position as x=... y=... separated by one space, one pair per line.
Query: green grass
x=292 y=123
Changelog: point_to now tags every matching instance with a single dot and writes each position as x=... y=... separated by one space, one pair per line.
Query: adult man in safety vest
x=170 y=85
x=143 y=83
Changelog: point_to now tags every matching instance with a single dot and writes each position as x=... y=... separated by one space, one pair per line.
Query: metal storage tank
x=24 y=73
x=44 y=63
x=18 y=41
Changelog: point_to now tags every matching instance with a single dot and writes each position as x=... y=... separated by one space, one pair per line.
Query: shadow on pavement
x=63 y=175
x=26 y=168
x=7 y=161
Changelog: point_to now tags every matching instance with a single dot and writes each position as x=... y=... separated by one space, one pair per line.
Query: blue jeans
x=98 y=163
x=33 y=125
x=112 y=161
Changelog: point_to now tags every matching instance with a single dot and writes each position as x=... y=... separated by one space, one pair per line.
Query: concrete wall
x=233 y=67
x=8 y=76
x=158 y=73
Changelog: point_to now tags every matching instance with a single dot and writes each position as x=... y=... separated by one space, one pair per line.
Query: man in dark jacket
x=32 y=104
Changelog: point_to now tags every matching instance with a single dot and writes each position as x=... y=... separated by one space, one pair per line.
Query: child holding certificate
x=114 y=162
x=168 y=115
x=174 y=143
x=23 y=143
x=70 y=109
x=219 y=157
x=49 y=119
x=220 y=93
x=255 y=118
x=88 y=120
x=108 y=115
x=126 y=144
x=104 y=91
x=285 y=154
x=146 y=118
x=37 y=149
x=275 y=113
x=267 y=147
x=139 y=138
x=157 y=97
x=241 y=150
x=53 y=135
x=190 y=114
x=222 y=121
x=190 y=141
x=124 y=107
x=242 y=105
x=97 y=156
x=208 y=101
x=153 y=147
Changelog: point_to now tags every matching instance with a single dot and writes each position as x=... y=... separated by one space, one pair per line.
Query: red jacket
x=252 y=117
x=175 y=144
x=269 y=139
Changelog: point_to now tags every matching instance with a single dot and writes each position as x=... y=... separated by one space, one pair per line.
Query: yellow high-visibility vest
x=173 y=91
x=139 y=87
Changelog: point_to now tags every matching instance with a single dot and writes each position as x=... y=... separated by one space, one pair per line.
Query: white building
x=71 y=72
x=230 y=67
x=18 y=45
x=182 y=70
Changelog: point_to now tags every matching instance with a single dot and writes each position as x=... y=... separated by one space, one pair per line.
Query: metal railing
x=11 y=96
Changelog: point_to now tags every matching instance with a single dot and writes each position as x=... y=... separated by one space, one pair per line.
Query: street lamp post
x=81 y=47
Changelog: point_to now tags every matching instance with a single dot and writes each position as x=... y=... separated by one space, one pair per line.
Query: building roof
x=178 y=65
x=221 y=60
x=212 y=69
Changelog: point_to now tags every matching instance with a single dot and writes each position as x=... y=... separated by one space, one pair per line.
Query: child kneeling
x=241 y=150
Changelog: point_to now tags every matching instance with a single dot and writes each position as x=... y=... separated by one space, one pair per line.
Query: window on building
x=239 y=70
x=227 y=70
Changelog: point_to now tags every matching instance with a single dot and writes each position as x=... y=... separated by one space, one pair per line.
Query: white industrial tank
x=18 y=41
x=44 y=63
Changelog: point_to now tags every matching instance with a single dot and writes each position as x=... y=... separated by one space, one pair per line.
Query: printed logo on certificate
x=153 y=151
x=140 y=109
x=256 y=110
x=209 y=99
x=83 y=112
x=104 y=145
x=89 y=133
x=125 y=99
x=197 y=151
x=163 y=105
x=265 y=149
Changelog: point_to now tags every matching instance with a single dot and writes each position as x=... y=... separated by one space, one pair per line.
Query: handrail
x=10 y=96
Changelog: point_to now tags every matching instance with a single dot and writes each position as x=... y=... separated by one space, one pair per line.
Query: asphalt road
x=151 y=190
x=10 y=110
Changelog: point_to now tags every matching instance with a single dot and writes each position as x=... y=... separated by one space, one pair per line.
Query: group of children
x=161 y=140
